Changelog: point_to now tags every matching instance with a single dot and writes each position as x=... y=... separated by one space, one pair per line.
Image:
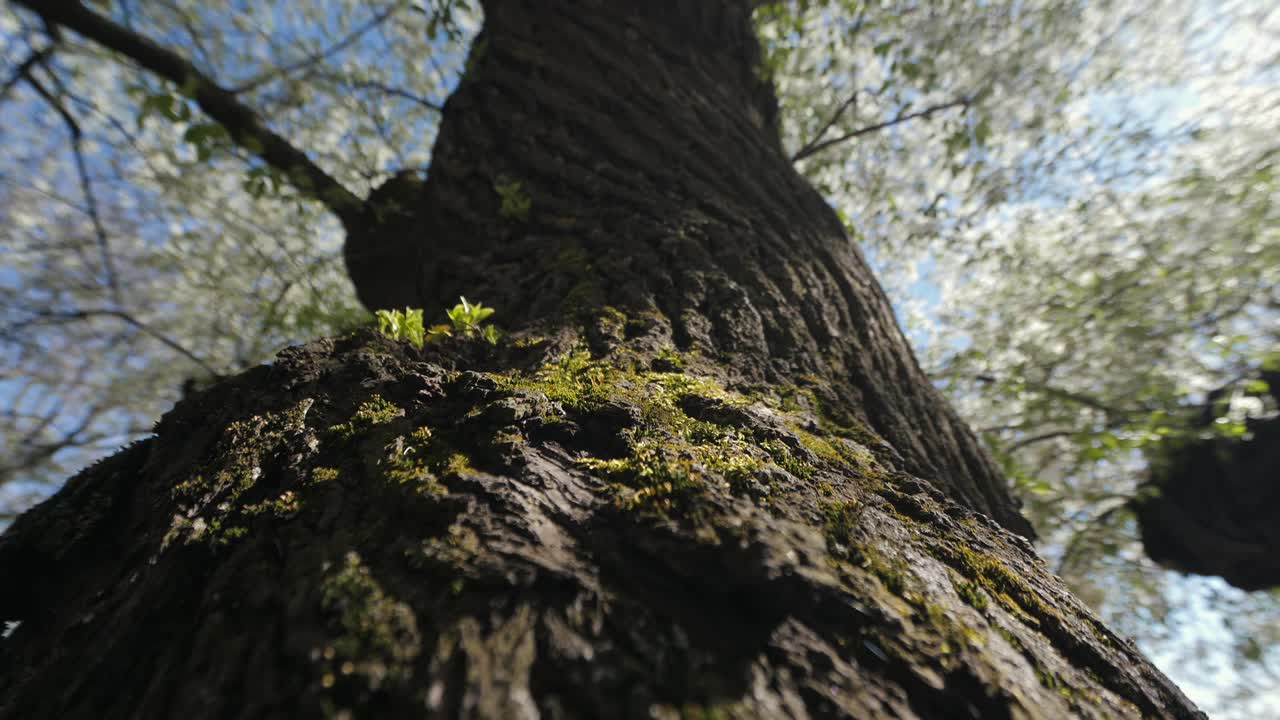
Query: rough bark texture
x=645 y=143
x=704 y=476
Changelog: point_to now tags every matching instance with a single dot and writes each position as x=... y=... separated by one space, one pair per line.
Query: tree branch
x=807 y=149
x=86 y=185
x=1033 y=439
x=1112 y=411
x=241 y=122
x=37 y=57
x=127 y=318
x=396 y=92
x=816 y=147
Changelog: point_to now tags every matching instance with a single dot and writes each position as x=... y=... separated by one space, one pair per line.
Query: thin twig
x=37 y=57
x=315 y=58
x=807 y=148
x=900 y=118
x=389 y=90
x=86 y=184
x=128 y=318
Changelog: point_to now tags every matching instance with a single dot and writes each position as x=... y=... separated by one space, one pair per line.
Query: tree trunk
x=703 y=476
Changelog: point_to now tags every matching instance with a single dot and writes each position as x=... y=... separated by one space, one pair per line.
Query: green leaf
x=1257 y=387
x=403 y=325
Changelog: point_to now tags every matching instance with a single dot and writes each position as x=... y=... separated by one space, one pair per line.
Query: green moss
x=372 y=412
x=527 y=341
x=515 y=200
x=840 y=452
x=671 y=457
x=782 y=455
x=212 y=502
x=891 y=571
x=574 y=380
x=839 y=520
x=612 y=322
x=585 y=294
x=421 y=459
x=1047 y=677
x=452 y=552
x=321 y=475
x=804 y=403
x=376 y=638
x=581 y=384
x=839 y=524
x=1051 y=681
x=1010 y=638
x=508 y=438
x=971 y=593
x=791 y=399
x=669 y=359
x=574 y=259
x=284 y=506
x=848 y=429
x=660 y=475
x=996 y=579
x=649 y=479
x=954 y=634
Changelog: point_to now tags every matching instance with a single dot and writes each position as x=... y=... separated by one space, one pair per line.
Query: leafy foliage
x=403 y=325
x=466 y=321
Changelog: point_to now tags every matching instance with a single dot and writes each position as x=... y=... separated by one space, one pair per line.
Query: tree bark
x=703 y=475
x=1209 y=505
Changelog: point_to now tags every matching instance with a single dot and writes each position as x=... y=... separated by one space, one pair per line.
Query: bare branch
x=817 y=147
x=1033 y=439
x=86 y=185
x=37 y=57
x=806 y=149
x=126 y=317
x=397 y=92
x=240 y=121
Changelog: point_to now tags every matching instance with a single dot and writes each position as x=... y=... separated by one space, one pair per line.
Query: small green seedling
x=398 y=325
x=466 y=321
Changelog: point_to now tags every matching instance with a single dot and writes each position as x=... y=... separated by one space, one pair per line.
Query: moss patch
x=421 y=459
x=971 y=593
x=375 y=639
x=322 y=475
x=212 y=504
x=671 y=458
x=995 y=578
x=372 y=412
x=954 y=634
x=840 y=452
x=839 y=521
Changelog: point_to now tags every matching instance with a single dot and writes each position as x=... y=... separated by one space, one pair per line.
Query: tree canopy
x=1074 y=205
